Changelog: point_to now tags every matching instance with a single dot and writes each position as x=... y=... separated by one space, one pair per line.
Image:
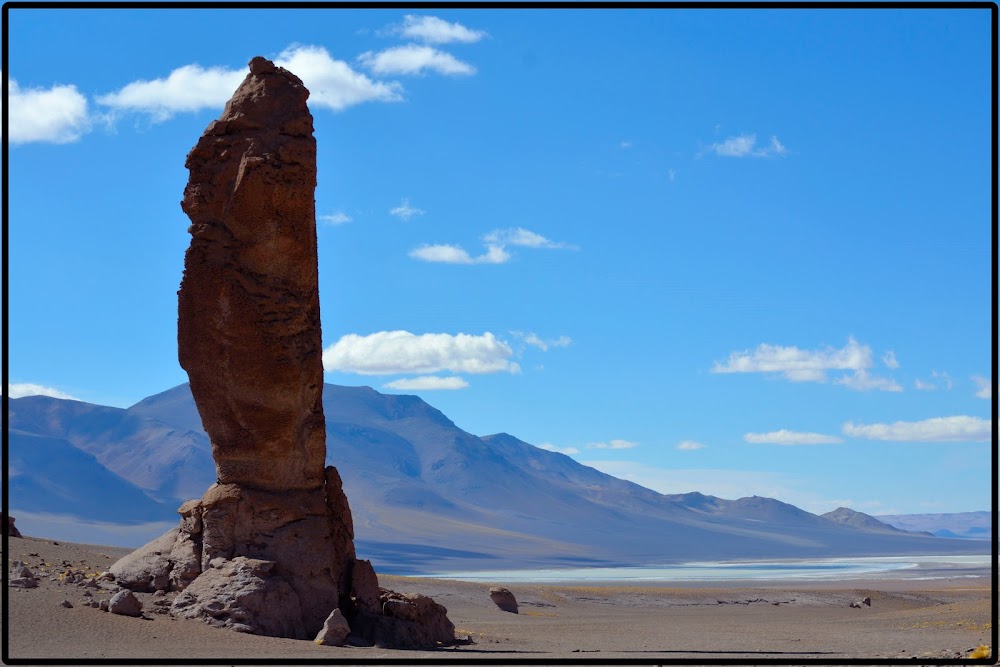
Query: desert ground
x=908 y=618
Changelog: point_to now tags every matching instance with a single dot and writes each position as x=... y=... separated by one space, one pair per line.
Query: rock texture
x=269 y=548
x=11 y=528
x=248 y=308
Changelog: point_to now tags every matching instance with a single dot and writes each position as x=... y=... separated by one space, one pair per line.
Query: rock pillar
x=269 y=548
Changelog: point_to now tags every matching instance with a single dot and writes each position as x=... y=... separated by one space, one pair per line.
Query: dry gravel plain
x=907 y=619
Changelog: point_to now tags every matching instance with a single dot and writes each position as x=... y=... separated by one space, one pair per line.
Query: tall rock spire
x=248 y=308
x=269 y=548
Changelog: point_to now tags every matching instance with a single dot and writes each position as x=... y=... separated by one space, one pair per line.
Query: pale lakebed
x=805 y=570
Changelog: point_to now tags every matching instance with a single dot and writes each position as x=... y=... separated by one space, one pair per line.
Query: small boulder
x=21 y=577
x=125 y=603
x=867 y=601
x=148 y=567
x=335 y=630
x=67 y=604
x=504 y=599
x=855 y=605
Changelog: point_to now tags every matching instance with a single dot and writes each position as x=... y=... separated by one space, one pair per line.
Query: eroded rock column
x=269 y=548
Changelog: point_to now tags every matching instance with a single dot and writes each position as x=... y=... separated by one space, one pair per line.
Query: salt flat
x=789 y=620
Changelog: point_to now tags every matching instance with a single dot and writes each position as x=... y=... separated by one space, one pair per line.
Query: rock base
x=278 y=565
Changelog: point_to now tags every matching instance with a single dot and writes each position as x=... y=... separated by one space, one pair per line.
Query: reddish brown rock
x=248 y=307
x=269 y=548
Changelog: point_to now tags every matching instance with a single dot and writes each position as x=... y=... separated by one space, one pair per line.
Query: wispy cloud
x=401 y=353
x=434 y=30
x=889 y=359
x=56 y=115
x=404 y=211
x=495 y=242
x=937 y=381
x=788 y=438
x=798 y=365
x=625 y=144
x=689 y=446
x=984 y=386
x=960 y=428
x=562 y=450
x=862 y=380
x=22 y=389
x=414 y=59
x=453 y=254
x=335 y=218
x=525 y=238
x=332 y=85
x=427 y=382
x=613 y=444
x=745 y=145
x=543 y=344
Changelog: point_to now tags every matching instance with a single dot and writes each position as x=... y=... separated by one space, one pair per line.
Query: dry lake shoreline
x=591 y=621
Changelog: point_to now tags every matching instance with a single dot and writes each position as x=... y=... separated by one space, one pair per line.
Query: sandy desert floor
x=907 y=619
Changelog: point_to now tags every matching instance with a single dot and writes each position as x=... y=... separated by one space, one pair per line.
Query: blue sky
x=732 y=251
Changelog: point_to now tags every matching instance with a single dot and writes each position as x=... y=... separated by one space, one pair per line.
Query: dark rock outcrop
x=12 y=530
x=269 y=548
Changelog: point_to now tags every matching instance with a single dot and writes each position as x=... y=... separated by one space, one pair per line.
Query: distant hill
x=959 y=525
x=428 y=496
x=862 y=521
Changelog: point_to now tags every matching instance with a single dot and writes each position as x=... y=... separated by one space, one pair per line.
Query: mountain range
x=426 y=496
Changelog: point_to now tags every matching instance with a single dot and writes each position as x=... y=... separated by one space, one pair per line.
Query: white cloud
x=785 y=437
x=625 y=144
x=22 y=389
x=336 y=218
x=745 y=145
x=889 y=359
x=332 y=84
x=404 y=211
x=960 y=428
x=453 y=254
x=984 y=386
x=797 y=365
x=185 y=89
x=433 y=30
x=56 y=115
x=612 y=444
x=562 y=450
x=414 y=59
x=862 y=380
x=544 y=345
x=427 y=382
x=689 y=446
x=519 y=236
x=401 y=352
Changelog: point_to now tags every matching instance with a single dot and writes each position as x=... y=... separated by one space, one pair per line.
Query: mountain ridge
x=448 y=499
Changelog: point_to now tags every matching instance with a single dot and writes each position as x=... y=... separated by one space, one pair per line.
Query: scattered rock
x=855 y=605
x=21 y=577
x=12 y=530
x=867 y=601
x=335 y=630
x=504 y=599
x=103 y=605
x=67 y=604
x=124 y=603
